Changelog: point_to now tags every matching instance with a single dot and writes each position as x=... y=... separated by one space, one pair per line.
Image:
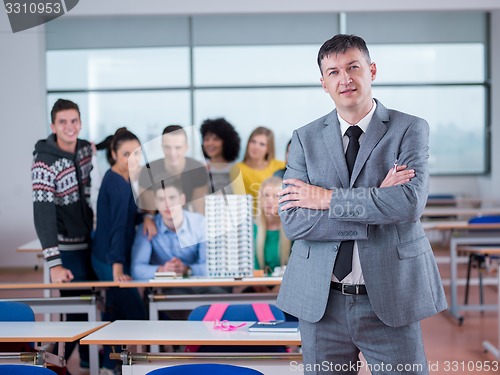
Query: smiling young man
x=61 y=200
x=175 y=164
x=361 y=274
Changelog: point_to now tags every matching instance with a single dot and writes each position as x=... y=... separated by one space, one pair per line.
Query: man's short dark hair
x=174 y=128
x=63 y=105
x=341 y=43
x=168 y=182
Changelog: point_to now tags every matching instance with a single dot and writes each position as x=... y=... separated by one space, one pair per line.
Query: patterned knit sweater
x=61 y=197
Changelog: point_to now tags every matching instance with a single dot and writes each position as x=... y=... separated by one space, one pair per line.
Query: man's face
x=174 y=148
x=347 y=77
x=169 y=202
x=66 y=127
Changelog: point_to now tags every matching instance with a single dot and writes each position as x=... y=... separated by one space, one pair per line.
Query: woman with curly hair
x=221 y=146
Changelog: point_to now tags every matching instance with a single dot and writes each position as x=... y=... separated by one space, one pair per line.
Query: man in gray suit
x=362 y=273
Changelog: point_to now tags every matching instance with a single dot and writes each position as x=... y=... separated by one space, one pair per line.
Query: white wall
x=22 y=122
x=23 y=116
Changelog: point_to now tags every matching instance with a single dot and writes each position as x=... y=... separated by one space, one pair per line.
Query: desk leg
x=488 y=346
x=453 y=309
x=93 y=349
x=94 y=359
x=46 y=292
x=153 y=315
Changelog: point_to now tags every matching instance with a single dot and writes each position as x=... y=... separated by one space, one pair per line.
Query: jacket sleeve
x=395 y=204
x=44 y=210
x=352 y=210
x=118 y=199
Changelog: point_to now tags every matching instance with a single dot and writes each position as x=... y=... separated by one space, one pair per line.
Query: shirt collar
x=363 y=123
x=162 y=228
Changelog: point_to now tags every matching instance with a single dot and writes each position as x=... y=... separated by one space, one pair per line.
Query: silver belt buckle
x=347 y=293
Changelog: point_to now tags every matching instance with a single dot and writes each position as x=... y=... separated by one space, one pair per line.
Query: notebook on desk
x=274 y=326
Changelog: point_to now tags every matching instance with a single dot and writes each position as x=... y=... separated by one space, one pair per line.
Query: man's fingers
x=294 y=181
x=289 y=197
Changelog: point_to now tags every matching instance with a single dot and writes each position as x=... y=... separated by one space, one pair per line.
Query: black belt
x=348 y=288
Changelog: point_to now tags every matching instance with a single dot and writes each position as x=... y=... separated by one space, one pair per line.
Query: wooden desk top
x=195 y=282
x=183 y=332
x=75 y=285
x=31 y=247
x=483 y=249
x=460 y=211
x=460 y=225
x=46 y=331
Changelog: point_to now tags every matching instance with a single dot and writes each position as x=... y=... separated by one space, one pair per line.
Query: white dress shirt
x=356 y=275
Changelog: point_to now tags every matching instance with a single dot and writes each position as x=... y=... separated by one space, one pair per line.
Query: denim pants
x=121 y=304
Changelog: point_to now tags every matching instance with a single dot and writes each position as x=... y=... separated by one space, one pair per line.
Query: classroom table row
x=131 y=333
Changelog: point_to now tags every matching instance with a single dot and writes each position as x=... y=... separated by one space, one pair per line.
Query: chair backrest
x=203 y=369
x=16 y=312
x=236 y=312
x=487 y=219
x=24 y=370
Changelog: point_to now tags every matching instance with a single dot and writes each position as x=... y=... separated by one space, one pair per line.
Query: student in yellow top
x=258 y=164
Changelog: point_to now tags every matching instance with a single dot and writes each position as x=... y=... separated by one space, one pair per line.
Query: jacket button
x=335 y=248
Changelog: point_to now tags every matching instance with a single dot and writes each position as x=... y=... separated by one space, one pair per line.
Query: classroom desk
x=162 y=302
x=46 y=332
x=166 y=302
x=193 y=333
x=82 y=304
x=459 y=212
x=489 y=250
x=35 y=247
x=464 y=234
x=46 y=305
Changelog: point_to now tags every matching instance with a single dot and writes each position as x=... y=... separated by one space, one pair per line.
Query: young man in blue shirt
x=180 y=245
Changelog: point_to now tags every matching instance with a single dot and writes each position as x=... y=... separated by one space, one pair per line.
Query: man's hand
x=118 y=274
x=174 y=265
x=59 y=274
x=301 y=194
x=401 y=176
x=149 y=227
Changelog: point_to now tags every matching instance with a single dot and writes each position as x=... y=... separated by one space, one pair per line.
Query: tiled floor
x=450 y=348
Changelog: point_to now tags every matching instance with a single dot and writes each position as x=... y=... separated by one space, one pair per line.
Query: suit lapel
x=335 y=148
x=374 y=133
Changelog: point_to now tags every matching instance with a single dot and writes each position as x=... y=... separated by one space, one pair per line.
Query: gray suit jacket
x=400 y=272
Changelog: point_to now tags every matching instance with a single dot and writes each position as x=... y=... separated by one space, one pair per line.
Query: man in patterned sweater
x=61 y=201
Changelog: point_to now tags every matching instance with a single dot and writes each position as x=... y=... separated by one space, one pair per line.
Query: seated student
x=180 y=244
x=272 y=248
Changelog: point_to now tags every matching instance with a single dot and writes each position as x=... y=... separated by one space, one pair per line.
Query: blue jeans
x=121 y=304
x=78 y=262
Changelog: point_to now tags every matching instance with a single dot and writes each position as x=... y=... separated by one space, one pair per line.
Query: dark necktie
x=343 y=262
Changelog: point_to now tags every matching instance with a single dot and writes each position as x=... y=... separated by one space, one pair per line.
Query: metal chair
x=24 y=370
x=203 y=369
x=479 y=260
x=16 y=312
x=236 y=312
